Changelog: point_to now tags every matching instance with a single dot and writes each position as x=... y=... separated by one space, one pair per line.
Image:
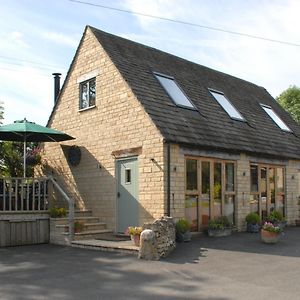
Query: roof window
x=174 y=91
x=275 y=117
x=227 y=106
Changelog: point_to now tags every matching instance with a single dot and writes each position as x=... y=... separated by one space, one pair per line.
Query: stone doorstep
x=110 y=246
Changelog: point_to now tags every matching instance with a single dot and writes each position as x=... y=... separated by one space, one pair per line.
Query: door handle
x=118 y=194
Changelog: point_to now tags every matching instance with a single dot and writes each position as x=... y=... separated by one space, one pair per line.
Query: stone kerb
x=164 y=229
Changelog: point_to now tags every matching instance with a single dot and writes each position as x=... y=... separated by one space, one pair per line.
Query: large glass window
x=227 y=106
x=267 y=189
x=174 y=91
x=87 y=93
x=210 y=190
x=275 y=117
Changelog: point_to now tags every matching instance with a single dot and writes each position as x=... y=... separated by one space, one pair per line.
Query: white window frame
x=88 y=94
x=228 y=102
x=275 y=118
x=190 y=106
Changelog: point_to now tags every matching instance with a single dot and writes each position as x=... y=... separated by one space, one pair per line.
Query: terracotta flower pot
x=136 y=239
x=269 y=237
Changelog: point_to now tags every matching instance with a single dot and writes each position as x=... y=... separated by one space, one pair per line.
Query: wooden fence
x=24 y=217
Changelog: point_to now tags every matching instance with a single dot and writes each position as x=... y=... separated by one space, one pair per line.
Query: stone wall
x=116 y=123
x=164 y=229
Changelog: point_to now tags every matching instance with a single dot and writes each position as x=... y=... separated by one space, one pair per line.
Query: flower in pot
x=219 y=226
x=78 y=226
x=270 y=233
x=183 y=233
x=57 y=212
x=253 y=221
x=276 y=218
x=135 y=234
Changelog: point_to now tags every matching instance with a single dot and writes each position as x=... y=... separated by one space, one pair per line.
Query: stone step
x=90 y=234
x=87 y=226
x=64 y=221
x=101 y=245
x=82 y=213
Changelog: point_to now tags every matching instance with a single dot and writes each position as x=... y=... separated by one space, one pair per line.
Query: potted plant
x=276 y=218
x=78 y=226
x=57 y=212
x=135 y=234
x=183 y=233
x=253 y=221
x=219 y=226
x=270 y=233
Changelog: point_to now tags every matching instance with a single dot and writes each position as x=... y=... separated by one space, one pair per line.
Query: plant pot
x=219 y=232
x=269 y=237
x=253 y=228
x=183 y=237
x=136 y=239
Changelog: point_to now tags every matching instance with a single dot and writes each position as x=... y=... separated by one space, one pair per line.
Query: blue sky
x=41 y=37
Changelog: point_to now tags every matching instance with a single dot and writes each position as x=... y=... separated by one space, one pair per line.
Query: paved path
x=236 y=267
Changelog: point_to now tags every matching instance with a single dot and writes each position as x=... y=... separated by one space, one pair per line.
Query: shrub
x=56 y=212
x=182 y=225
x=275 y=217
x=252 y=218
x=219 y=223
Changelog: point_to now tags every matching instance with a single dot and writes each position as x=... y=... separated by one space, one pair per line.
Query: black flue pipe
x=56 y=85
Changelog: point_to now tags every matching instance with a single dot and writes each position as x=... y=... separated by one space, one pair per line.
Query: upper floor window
x=87 y=93
x=275 y=117
x=227 y=106
x=174 y=91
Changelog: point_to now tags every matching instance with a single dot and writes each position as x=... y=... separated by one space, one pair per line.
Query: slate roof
x=210 y=127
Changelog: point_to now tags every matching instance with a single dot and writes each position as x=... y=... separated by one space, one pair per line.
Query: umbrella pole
x=24 y=158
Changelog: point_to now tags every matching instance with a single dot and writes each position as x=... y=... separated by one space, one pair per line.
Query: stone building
x=159 y=135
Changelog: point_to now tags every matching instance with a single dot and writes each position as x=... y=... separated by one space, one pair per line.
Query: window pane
x=227 y=106
x=205 y=197
x=272 y=188
x=254 y=203
x=174 y=91
x=92 y=92
x=280 y=180
x=229 y=208
x=84 y=95
x=191 y=174
x=191 y=211
x=217 y=190
x=128 y=176
x=229 y=177
x=275 y=118
x=253 y=178
x=205 y=171
x=263 y=186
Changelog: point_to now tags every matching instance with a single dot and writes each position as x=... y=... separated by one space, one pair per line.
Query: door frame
x=117 y=160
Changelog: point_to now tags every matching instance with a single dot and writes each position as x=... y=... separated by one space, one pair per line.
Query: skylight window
x=174 y=91
x=227 y=106
x=275 y=117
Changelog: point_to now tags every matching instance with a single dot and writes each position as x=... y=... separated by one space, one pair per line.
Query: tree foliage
x=290 y=101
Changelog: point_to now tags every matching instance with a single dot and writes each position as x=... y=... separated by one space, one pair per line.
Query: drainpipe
x=168 y=213
x=56 y=85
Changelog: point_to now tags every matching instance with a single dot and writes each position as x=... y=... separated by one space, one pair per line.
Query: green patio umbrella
x=25 y=131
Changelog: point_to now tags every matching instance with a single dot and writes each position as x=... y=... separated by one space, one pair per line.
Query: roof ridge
x=169 y=54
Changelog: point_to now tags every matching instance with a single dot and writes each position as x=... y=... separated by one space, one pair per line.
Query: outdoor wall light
x=244 y=173
x=293 y=177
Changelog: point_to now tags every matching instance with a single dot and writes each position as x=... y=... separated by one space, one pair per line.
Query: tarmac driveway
x=236 y=267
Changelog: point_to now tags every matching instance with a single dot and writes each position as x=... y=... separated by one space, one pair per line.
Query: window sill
x=87 y=108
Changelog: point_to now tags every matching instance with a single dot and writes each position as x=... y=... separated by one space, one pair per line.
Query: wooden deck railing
x=23 y=194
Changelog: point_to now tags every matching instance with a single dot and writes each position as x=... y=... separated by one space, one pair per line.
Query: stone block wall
x=164 y=229
x=116 y=122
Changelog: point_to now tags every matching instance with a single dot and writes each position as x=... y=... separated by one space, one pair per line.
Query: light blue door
x=127 y=194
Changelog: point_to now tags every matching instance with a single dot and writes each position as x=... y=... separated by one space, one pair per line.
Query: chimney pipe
x=56 y=85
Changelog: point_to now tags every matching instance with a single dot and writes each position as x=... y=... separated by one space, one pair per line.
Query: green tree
x=290 y=101
x=1 y=112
